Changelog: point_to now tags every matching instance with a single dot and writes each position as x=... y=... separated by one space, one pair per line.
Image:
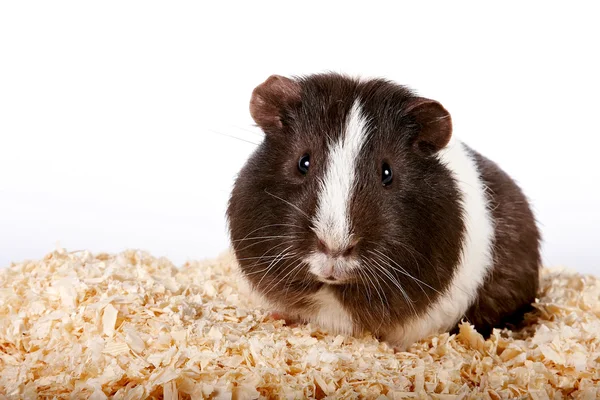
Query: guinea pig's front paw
x=289 y=321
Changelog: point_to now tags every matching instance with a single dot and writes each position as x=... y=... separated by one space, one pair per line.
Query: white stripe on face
x=332 y=222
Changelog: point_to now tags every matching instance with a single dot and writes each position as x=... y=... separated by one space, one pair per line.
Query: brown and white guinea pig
x=360 y=211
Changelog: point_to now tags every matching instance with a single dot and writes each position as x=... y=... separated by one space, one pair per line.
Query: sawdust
x=131 y=326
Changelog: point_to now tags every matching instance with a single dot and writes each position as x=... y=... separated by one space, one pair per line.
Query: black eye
x=303 y=164
x=386 y=174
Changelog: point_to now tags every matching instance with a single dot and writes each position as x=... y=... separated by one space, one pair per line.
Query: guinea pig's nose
x=343 y=252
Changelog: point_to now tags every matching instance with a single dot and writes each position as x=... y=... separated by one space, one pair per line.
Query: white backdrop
x=108 y=109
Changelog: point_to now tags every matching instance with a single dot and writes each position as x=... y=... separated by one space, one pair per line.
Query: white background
x=108 y=110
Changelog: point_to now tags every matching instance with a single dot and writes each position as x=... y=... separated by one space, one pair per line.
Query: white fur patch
x=476 y=260
x=330 y=314
x=324 y=266
x=332 y=223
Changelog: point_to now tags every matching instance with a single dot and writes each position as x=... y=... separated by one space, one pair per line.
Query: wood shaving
x=131 y=326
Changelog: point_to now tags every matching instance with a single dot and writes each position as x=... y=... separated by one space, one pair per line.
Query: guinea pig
x=361 y=212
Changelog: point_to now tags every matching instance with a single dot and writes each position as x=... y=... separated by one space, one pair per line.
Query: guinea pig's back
x=511 y=286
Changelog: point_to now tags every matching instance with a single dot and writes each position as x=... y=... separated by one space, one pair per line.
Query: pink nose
x=343 y=252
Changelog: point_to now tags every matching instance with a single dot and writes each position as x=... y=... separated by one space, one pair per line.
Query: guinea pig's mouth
x=332 y=271
x=331 y=280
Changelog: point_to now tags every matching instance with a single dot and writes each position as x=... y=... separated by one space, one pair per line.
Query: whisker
x=293 y=277
x=363 y=278
x=265 y=237
x=412 y=253
x=255 y=258
x=361 y=275
x=296 y=268
x=388 y=273
x=286 y=257
x=384 y=303
x=287 y=202
x=379 y=261
x=270 y=226
x=270 y=250
x=231 y=136
x=403 y=271
x=258 y=133
x=271 y=265
x=397 y=284
x=274 y=284
x=267 y=240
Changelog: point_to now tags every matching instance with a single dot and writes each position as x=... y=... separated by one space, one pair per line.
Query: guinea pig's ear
x=270 y=99
x=434 y=124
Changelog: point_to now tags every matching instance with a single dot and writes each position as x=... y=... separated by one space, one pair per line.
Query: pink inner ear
x=435 y=125
x=270 y=98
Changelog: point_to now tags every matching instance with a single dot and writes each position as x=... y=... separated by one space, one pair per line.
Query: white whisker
x=404 y=272
x=233 y=137
x=384 y=303
x=287 y=202
x=266 y=240
x=271 y=265
x=266 y=237
x=396 y=284
x=270 y=226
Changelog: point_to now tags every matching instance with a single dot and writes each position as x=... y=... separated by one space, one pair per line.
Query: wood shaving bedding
x=131 y=326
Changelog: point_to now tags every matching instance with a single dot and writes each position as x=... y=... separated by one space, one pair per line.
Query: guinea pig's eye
x=386 y=174
x=303 y=164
